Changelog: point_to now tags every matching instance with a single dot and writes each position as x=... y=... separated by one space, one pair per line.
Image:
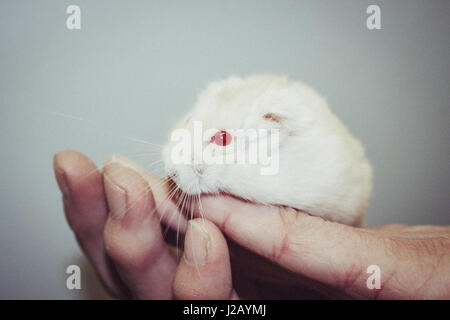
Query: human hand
x=275 y=252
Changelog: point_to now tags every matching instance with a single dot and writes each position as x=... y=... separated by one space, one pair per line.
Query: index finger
x=309 y=246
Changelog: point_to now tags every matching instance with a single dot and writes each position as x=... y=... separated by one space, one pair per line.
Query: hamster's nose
x=198 y=169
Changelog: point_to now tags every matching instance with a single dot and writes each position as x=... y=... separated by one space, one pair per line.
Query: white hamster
x=322 y=168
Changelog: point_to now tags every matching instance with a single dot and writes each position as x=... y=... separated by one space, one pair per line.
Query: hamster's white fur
x=323 y=169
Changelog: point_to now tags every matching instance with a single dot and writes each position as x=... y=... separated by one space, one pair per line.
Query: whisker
x=179 y=218
x=177 y=206
x=168 y=200
x=178 y=234
x=142 y=194
x=155 y=162
x=145 y=154
x=66 y=115
x=200 y=207
x=107 y=132
x=142 y=141
x=193 y=248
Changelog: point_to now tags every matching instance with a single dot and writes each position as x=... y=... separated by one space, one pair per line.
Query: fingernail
x=63 y=184
x=117 y=158
x=117 y=198
x=196 y=245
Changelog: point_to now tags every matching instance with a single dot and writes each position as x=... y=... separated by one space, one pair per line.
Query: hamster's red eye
x=221 y=138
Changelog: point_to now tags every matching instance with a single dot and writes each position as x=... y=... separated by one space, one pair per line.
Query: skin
x=275 y=252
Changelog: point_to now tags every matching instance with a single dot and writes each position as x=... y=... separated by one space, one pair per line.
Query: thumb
x=204 y=271
x=333 y=254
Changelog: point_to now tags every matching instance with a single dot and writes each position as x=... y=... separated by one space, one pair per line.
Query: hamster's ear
x=283 y=119
x=279 y=119
x=289 y=123
x=275 y=117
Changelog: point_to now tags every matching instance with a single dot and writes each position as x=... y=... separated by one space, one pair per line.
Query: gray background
x=136 y=66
